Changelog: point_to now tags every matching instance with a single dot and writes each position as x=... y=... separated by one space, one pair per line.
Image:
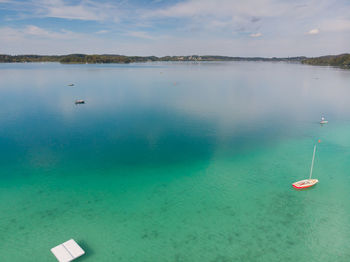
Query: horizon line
x=299 y=56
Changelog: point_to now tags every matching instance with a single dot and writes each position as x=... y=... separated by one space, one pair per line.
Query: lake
x=174 y=162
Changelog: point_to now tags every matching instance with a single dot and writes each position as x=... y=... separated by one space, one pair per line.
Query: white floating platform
x=67 y=251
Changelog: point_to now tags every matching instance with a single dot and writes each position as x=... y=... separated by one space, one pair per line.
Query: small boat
x=79 y=101
x=307 y=182
x=323 y=121
x=71 y=85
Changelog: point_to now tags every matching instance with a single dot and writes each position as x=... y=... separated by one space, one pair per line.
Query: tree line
x=96 y=59
x=342 y=60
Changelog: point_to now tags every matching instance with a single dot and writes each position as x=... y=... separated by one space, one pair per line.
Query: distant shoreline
x=121 y=59
x=342 y=60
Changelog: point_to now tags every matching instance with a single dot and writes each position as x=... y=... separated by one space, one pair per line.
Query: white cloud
x=256 y=35
x=35 y=40
x=223 y=8
x=186 y=27
x=336 y=25
x=102 y=32
x=243 y=16
x=238 y=15
x=84 y=10
x=140 y=34
x=36 y=31
x=313 y=31
x=8 y=34
x=21 y=41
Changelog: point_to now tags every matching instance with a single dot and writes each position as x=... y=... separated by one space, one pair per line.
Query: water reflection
x=134 y=114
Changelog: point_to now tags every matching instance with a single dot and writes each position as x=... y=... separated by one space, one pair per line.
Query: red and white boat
x=323 y=121
x=307 y=182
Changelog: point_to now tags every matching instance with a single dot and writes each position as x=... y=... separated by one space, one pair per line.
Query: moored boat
x=305 y=183
x=79 y=101
x=323 y=120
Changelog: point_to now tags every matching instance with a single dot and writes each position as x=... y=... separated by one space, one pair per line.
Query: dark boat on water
x=79 y=101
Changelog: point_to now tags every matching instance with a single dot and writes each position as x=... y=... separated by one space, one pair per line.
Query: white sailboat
x=323 y=121
x=307 y=182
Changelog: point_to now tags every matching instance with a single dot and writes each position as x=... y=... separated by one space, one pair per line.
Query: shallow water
x=174 y=161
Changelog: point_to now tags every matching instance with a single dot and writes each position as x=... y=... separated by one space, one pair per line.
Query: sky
x=266 y=28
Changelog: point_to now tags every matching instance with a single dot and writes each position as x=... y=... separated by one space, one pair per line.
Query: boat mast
x=312 y=163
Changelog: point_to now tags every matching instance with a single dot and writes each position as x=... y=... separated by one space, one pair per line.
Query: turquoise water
x=174 y=162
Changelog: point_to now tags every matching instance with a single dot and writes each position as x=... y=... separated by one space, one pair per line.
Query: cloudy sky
x=181 y=27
